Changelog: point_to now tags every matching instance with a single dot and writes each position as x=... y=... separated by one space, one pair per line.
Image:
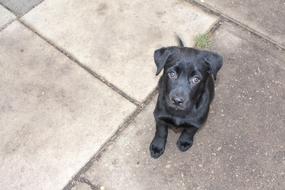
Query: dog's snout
x=177 y=100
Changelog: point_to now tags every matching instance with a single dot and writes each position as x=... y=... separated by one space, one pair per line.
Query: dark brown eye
x=172 y=75
x=195 y=80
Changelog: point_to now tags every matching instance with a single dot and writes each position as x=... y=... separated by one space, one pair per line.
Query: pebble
x=168 y=166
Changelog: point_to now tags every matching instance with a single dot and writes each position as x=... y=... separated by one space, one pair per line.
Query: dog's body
x=186 y=90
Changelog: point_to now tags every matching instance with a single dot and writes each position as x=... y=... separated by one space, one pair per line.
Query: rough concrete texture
x=116 y=39
x=266 y=17
x=81 y=186
x=5 y=17
x=53 y=115
x=20 y=7
x=242 y=146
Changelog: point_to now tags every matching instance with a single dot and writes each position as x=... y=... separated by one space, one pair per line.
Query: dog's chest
x=176 y=129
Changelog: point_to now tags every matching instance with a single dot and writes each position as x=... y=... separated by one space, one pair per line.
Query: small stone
x=219 y=148
x=102 y=188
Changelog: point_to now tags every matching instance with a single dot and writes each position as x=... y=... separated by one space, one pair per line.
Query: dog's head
x=186 y=71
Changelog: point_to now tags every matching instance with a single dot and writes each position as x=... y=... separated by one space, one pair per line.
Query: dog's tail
x=179 y=41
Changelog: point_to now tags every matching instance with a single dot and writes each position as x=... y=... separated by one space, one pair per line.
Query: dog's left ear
x=160 y=58
x=215 y=62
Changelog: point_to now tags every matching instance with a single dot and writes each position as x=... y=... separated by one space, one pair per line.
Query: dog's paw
x=157 y=147
x=184 y=145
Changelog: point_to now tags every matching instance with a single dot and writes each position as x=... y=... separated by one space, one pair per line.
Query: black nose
x=177 y=100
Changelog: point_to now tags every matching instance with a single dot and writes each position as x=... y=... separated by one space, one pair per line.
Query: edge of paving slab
x=21 y=15
x=9 y=22
x=104 y=147
x=90 y=71
x=219 y=13
x=16 y=17
x=6 y=7
x=87 y=182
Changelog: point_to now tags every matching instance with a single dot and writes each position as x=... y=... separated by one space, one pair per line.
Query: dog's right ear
x=160 y=57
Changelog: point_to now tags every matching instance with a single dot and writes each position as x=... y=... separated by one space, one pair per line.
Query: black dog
x=186 y=90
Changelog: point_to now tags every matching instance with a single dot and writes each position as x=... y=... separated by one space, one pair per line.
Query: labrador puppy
x=186 y=90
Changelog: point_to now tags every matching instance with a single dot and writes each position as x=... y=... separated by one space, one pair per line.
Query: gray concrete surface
x=53 y=115
x=82 y=186
x=5 y=17
x=266 y=17
x=242 y=146
x=20 y=7
x=116 y=39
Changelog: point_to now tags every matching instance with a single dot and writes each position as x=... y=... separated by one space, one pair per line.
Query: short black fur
x=186 y=90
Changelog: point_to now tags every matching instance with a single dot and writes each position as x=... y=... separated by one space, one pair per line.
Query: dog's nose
x=177 y=100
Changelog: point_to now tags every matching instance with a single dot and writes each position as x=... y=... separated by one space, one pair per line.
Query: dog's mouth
x=175 y=107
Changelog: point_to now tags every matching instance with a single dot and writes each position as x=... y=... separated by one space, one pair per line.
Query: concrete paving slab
x=116 y=39
x=20 y=7
x=242 y=146
x=53 y=114
x=267 y=17
x=5 y=16
x=81 y=186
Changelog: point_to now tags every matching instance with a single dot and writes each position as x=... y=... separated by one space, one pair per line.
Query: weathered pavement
x=265 y=18
x=78 y=90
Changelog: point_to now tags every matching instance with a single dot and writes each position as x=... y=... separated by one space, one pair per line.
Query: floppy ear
x=215 y=62
x=160 y=57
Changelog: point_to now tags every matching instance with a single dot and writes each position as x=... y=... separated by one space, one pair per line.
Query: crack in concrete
x=215 y=27
x=86 y=181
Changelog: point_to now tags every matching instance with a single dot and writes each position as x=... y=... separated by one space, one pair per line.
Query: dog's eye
x=195 y=80
x=172 y=75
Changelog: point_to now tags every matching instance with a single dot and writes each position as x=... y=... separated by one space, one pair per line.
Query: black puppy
x=186 y=90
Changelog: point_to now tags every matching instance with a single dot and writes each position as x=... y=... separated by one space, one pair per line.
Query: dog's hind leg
x=185 y=140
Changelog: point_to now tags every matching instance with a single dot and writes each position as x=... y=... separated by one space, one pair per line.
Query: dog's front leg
x=157 y=145
x=185 y=140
